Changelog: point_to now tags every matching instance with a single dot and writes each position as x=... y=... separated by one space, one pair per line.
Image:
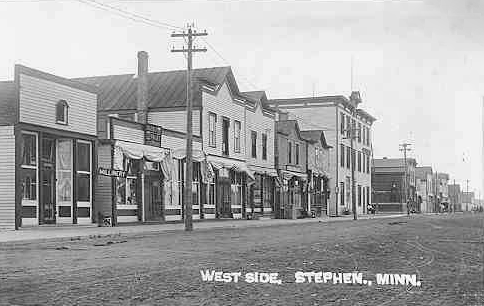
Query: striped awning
x=287 y=175
x=230 y=164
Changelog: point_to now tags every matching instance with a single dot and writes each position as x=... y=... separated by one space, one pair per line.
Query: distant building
x=441 y=190
x=388 y=181
x=336 y=115
x=467 y=201
x=455 y=197
x=425 y=195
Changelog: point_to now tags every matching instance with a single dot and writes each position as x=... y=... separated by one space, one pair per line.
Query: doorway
x=225 y=196
x=154 y=198
x=48 y=203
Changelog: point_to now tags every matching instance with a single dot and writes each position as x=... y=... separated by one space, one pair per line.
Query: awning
x=263 y=171
x=231 y=164
x=181 y=153
x=317 y=172
x=138 y=151
x=287 y=175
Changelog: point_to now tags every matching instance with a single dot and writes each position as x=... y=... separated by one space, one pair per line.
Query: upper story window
x=264 y=146
x=359 y=132
x=253 y=138
x=342 y=124
x=297 y=153
x=348 y=157
x=342 y=155
x=61 y=112
x=348 y=126
x=212 y=124
x=289 y=152
x=359 y=162
x=225 y=136
x=237 y=136
x=364 y=135
x=367 y=136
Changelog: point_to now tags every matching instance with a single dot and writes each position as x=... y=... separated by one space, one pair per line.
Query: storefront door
x=225 y=209
x=153 y=196
x=48 y=205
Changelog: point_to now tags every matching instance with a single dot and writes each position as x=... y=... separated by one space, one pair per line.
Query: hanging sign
x=152 y=135
x=111 y=172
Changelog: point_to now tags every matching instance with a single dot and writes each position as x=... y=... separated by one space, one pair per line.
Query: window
x=61 y=112
x=237 y=136
x=264 y=146
x=367 y=195
x=348 y=157
x=342 y=193
x=297 y=153
x=364 y=135
x=368 y=136
x=64 y=170
x=211 y=191
x=359 y=161
x=83 y=171
x=225 y=136
x=29 y=167
x=353 y=159
x=253 y=138
x=348 y=126
x=196 y=184
x=363 y=191
x=359 y=132
x=368 y=164
x=236 y=188
x=289 y=152
x=342 y=124
x=342 y=155
x=359 y=196
x=212 y=127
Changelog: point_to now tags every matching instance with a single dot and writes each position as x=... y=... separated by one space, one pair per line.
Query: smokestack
x=142 y=92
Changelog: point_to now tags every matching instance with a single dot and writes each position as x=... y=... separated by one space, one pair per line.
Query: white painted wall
x=38 y=99
x=256 y=121
x=7 y=177
x=175 y=120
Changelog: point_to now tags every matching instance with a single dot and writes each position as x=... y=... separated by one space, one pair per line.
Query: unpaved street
x=446 y=252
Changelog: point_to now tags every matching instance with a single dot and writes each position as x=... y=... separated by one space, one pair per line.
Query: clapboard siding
x=38 y=99
x=175 y=120
x=103 y=189
x=174 y=143
x=7 y=177
x=128 y=134
x=223 y=105
x=259 y=123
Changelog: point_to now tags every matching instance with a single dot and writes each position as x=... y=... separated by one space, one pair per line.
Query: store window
x=64 y=171
x=236 y=187
x=268 y=191
x=83 y=158
x=29 y=167
x=196 y=184
x=126 y=188
x=211 y=191
x=61 y=112
x=342 y=193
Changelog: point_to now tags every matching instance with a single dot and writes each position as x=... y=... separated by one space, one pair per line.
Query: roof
x=351 y=103
x=392 y=162
x=8 y=103
x=315 y=136
x=286 y=126
x=421 y=172
x=165 y=89
x=259 y=95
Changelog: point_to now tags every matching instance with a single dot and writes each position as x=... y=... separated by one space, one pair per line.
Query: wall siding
x=7 y=177
x=174 y=143
x=223 y=105
x=103 y=191
x=38 y=99
x=175 y=120
x=128 y=134
x=259 y=123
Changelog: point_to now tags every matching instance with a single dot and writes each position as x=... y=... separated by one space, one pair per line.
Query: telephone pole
x=405 y=147
x=190 y=35
x=352 y=135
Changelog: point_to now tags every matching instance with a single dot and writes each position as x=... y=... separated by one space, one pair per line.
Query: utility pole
x=187 y=190
x=405 y=147
x=468 y=195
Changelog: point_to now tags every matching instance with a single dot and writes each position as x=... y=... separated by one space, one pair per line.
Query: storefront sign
x=153 y=135
x=111 y=172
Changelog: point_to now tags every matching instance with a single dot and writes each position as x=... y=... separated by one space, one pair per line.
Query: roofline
x=20 y=69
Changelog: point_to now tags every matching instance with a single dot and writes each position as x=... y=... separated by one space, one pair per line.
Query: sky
x=419 y=64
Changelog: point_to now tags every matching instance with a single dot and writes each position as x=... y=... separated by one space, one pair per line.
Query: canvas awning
x=138 y=151
x=287 y=175
x=231 y=164
x=181 y=153
x=263 y=171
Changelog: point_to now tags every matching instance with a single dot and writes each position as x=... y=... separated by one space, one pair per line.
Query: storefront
x=318 y=194
x=262 y=192
x=294 y=191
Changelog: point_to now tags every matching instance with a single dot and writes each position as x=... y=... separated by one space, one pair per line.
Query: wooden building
x=318 y=169
x=291 y=155
x=48 y=132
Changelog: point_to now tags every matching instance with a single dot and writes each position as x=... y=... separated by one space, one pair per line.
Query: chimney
x=142 y=87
